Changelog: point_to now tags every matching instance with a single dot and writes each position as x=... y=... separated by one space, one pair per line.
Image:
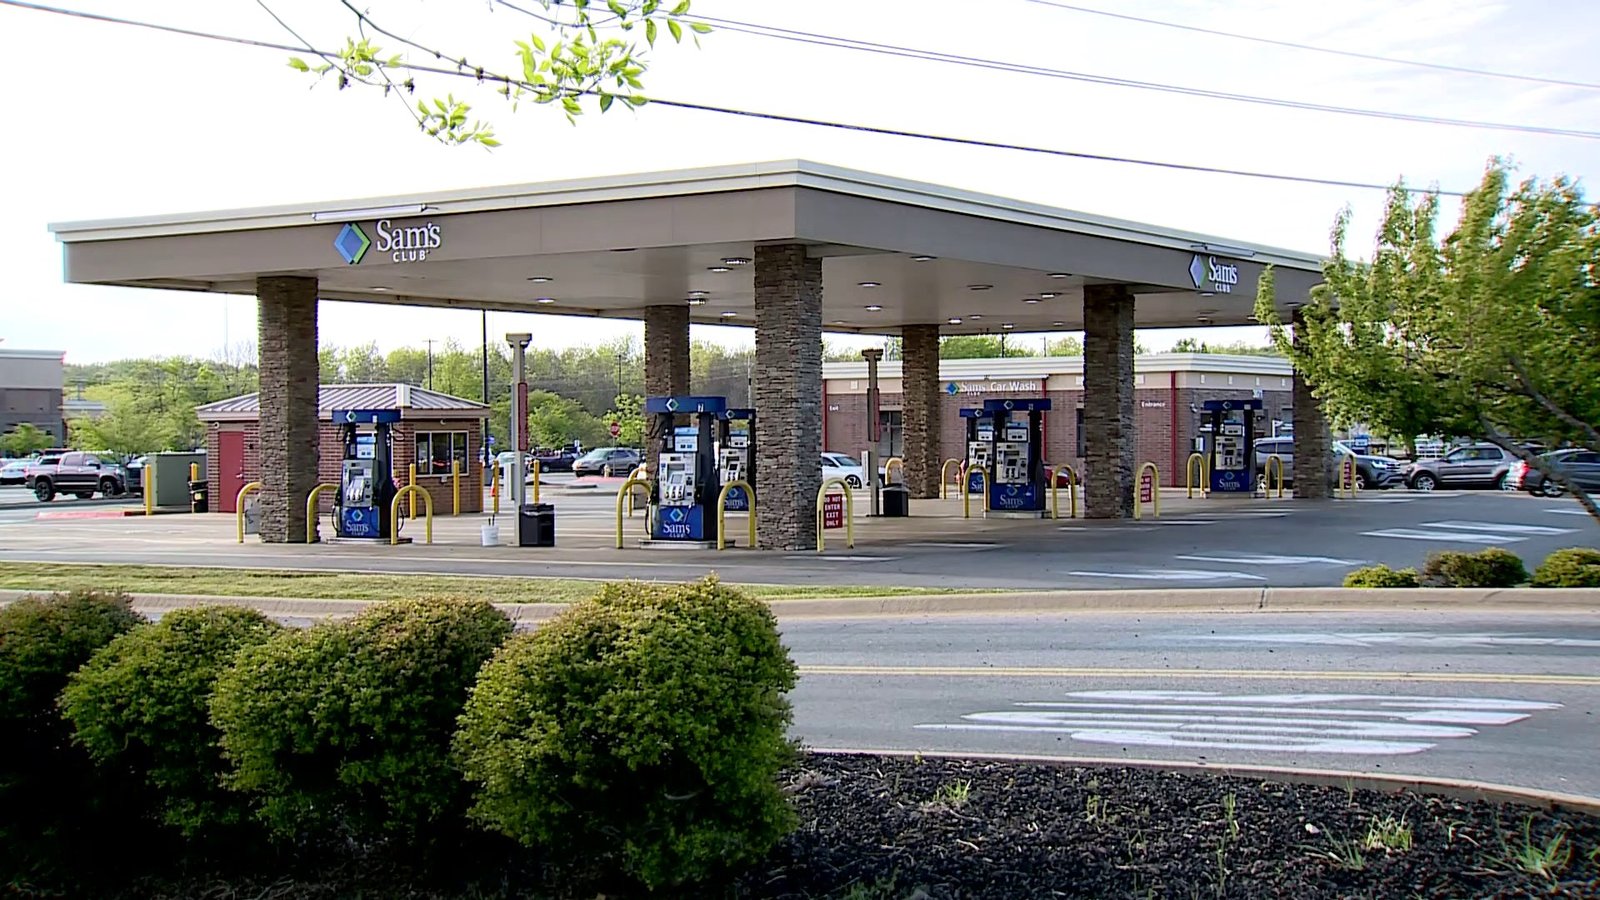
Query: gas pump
x=980 y=447
x=366 y=475
x=1019 y=478
x=682 y=504
x=736 y=454
x=1232 y=451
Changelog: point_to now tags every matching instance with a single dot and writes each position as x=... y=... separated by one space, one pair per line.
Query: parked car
x=77 y=473
x=608 y=462
x=15 y=471
x=1371 y=471
x=839 y=465
x=556 y=460
x=1579 y=465
x=1473 y=466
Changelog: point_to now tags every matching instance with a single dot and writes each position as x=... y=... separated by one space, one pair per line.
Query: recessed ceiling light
x=1058 y=324
x=380 y=289
x=874 y=308
x=698 y=293
x=541 y=279
x=1030 y=299
x=979 y=287
x=544 y=299
x=697 y=301
x=837 y=322
x=735 y=260
x=1049 y=295
x=1060 y=275
x=955 y=320
x=975 y=316
x=869 y=284
x=1007 y=325
x=923 y=258
x=718 y=269
x=729 y=314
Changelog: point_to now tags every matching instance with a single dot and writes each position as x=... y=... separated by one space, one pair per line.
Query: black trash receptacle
x=896 y=502
x=536 y=525
x=199 y=497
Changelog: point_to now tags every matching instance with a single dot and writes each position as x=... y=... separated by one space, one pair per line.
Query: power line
x=1373 y=57
x=826 y=40
x=778 y=117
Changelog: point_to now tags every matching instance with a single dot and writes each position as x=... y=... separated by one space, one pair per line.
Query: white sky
x=108 y=121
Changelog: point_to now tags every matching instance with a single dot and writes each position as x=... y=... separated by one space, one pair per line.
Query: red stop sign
x=616 y=428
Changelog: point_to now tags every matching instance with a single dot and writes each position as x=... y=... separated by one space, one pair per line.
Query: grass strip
x=323 y=585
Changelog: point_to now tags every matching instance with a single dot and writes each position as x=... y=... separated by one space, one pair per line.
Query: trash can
x=199 y=497
x=536 y=525
x=896 y=502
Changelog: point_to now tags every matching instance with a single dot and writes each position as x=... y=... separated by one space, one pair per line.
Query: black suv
x=77 y=473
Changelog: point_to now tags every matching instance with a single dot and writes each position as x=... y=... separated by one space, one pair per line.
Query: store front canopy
x=895 y=252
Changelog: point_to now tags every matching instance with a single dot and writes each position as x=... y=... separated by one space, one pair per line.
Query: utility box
x=172 y=477
x=536 y=525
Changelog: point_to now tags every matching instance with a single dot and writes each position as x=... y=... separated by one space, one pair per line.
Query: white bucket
x=491 y=535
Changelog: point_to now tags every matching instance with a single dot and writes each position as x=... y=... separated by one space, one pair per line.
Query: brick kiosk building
x=433 y=428
x=1168 y=391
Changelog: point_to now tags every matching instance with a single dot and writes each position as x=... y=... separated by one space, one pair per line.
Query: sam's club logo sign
x=1211 y=275
x=403 y=244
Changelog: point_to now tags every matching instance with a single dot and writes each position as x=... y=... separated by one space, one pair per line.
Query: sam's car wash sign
x=992 y=387
x=401 y=243
x=1213 y=276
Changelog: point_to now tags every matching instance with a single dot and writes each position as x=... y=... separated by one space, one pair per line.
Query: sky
x=109 y=121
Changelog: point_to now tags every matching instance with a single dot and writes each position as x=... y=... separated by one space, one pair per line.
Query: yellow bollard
x=455 y=486
x=1348 y=480
x=1155 y=490
x=626 y=491
x=1272 y=460
x=1072 y=491
x=148 y=483
x=1197 y=463
x=944 y=475
x=411 y=492
x=722 y=512
x=411 y=483
x=238 y=505
x=536 y=472
x=494 y=491
x=640 y=475
x=849 y=512
x=966 y=495
x=890 y=464
x=311 y=510
x=194 y=471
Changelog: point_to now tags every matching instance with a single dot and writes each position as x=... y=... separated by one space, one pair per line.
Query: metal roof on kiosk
x=412 y=401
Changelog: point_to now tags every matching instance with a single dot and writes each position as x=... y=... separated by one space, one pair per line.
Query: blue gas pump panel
x=1025 y=497
x=681 y=523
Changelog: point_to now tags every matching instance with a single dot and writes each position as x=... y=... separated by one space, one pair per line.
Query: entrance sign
x=992 y=387
x=1213 y=276
x=833 y=511
x=403 y=243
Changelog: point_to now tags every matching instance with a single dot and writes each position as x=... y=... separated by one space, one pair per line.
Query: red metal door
x=230 y=470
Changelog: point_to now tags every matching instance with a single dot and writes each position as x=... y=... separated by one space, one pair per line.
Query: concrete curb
x=1455 y=788
x=1236 y=600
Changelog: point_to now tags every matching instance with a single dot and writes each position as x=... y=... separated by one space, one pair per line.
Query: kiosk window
x=435 y=449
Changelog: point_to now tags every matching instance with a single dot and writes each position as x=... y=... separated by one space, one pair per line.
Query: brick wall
x=1110 y=461
x=287 y=326
x=926 y=444
x=788 y=300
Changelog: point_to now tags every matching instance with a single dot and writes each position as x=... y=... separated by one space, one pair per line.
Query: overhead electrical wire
x=773 y=117
x=1312 y=48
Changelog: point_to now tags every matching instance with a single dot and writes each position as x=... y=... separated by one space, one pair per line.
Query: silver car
x=1476 y=466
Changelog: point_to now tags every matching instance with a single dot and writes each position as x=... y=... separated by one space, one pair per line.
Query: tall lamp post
x=519 y=417
x=873 y=355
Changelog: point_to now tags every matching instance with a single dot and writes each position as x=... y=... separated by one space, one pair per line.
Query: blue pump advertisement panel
x=1025 y=497
x=680 y=523
x=360 y=522
x=738 y=501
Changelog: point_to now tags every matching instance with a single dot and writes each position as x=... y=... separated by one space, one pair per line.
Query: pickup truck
x=77 y=473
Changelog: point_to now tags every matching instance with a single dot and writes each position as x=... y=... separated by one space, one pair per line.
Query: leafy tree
x=628 y=411
x=585 y=52
x=980 y=346
x=1490 y=332
x=24 y=440
x=1236 y=348
x=1067 y=346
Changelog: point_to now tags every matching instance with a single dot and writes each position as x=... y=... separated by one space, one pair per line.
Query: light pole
x=430 y=364
x=874 y=436
x=519 y=417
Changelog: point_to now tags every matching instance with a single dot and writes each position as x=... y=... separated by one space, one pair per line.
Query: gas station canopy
x=895 y=252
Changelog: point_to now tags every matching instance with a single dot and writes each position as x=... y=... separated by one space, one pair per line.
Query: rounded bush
x=1382 y=577
x=344 y=728
x=141 y=704
x=1571 y=567
x=1494 y=567
x=641 y=731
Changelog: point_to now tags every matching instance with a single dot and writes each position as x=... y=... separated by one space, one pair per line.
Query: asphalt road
x=1279 y=543
x=1507 y=699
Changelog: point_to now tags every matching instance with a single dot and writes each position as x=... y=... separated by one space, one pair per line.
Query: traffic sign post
x=615 y=429
x=1147 y=487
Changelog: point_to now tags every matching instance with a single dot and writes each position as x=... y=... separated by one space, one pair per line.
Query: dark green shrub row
x=639 y=733
x=1382 y=577
x=1572 y=567
x=1492 y=567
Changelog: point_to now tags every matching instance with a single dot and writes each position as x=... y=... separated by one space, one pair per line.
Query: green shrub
x=50 y=799
x=141 y=704
x=641 y=731
x=1493 y=567
x=344 y=729
x=1382 y=577
x=1572 y=567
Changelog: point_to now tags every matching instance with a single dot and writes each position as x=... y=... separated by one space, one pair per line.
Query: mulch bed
x=903 y=828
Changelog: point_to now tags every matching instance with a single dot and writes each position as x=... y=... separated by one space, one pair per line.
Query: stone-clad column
x=788 y=394
x=666 y=364
x=289 y=377
x=1313 y=468
x=1108 y=436
x=919 y=416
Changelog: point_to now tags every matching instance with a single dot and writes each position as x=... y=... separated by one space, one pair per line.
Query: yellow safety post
x=311 y=510
x=194 y=471
x=849 y=512
x=890 y=464
x=1155 y=490
x=494 y=492
x=1197 y=463
x=147 y=480
x=536 y=472
x=1274 y=460
x=966 y=495
x=722 y=512
x=944 y=475
x=411 y=483
x=411 y=492
x=626 y=491
x=455 y=486
x=1072 y=492
x=641 y=475
x=238 y=504
x=1347 y=466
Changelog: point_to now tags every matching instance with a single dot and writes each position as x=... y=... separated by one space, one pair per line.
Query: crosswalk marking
x=1568 y=512
x=1502 y=527
x=1412 y=534
x=1172 y=575
x=1258 y=559
x=1469 y=532
x=1364 y=724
